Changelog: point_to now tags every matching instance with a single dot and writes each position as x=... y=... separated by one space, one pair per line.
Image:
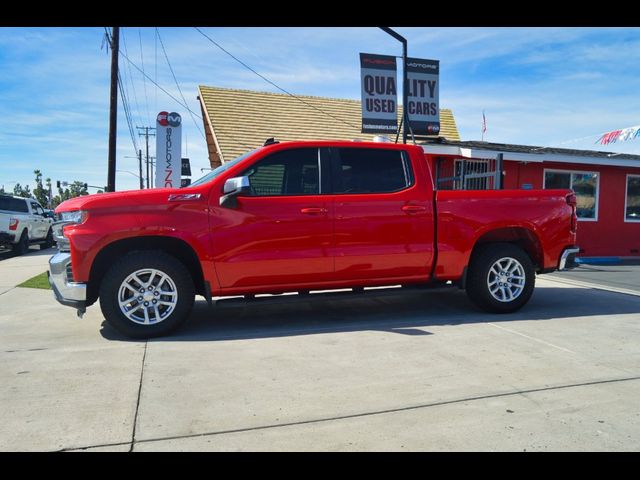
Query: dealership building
x=607 y=185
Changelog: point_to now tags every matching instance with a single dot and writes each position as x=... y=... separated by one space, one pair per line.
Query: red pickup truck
x=302 y=216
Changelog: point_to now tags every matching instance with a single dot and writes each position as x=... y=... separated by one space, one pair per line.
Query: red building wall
x=609 y=235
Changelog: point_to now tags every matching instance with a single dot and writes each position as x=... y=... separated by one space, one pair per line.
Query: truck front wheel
x=500 y=278
x=147 y=294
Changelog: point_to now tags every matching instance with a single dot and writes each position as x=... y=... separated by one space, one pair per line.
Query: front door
x=280 y=235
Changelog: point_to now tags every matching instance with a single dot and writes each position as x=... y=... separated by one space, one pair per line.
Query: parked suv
x=23 y=222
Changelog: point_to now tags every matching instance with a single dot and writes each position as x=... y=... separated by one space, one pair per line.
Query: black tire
x=113 y=287
x=500 y=293
x=48 y=242
x=22 y=246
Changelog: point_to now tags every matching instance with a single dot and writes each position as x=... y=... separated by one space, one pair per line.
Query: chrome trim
x=58 y=234
x=68 y=291
x=175 y=197
x=235 y=184
x=565 y=256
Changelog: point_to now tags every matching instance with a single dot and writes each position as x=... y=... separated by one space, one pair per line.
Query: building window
x=632 y=203
x=584 y=184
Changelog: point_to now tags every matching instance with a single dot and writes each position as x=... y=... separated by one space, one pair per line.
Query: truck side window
x=14 y=204
x=368 y=170
x=289 y=172
x=37 y=209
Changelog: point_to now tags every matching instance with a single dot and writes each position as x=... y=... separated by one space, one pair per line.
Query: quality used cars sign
x=378 y=77
x=423 y=96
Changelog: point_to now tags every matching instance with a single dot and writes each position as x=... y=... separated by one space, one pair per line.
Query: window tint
x=367 y=170
x=289 y=172
x=633 y=198
x=557 y=180
x=13 y=204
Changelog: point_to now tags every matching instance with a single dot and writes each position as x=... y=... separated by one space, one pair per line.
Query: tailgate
x=4 y=222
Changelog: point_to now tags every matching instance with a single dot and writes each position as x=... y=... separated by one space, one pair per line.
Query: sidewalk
x=15 y=270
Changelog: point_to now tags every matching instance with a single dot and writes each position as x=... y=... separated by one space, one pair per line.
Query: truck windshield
x=222 y=168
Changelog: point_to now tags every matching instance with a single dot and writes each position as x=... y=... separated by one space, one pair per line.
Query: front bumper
x=66 y=291
x=568 y=258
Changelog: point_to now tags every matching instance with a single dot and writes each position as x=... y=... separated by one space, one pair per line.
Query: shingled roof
x=239 y=120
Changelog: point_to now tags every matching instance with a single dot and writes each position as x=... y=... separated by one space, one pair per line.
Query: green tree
x=19 y=191
x=41 y=194
x=78 y=188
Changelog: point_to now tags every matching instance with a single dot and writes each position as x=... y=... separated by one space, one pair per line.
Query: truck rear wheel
x=22 y=246
x=501 y=278
x=147 y=294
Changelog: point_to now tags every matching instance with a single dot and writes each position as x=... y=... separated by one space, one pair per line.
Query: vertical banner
x=168 y=150
x=423 y=98
x=378 y=78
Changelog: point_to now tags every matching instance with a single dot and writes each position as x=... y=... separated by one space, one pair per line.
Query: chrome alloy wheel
x=147 y=296
x=506 y=279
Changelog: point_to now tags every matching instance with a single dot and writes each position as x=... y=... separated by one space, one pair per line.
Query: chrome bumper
x=567 y=259
x=66 y=291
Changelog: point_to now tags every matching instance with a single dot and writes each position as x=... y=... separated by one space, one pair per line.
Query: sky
x=555 y=86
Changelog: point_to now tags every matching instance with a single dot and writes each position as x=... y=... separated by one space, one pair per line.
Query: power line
x=176 y=100
x=158 y=86
x=127 y=112
x=146 y=98
x=133 y=87
x=177 y=84
x=270 y=82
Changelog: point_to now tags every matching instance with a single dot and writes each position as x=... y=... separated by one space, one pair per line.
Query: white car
x=23 y=222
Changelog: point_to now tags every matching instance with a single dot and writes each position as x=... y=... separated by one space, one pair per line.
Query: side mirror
x=233 y=188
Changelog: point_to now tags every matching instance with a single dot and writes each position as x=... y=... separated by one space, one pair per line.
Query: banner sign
x=378 y=78
x=168 y=153
x=423 y=97
x=623 y=135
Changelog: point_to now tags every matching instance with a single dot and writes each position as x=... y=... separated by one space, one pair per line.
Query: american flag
x=484 y=123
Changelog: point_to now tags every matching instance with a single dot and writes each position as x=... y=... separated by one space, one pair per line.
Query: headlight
x=77 y=216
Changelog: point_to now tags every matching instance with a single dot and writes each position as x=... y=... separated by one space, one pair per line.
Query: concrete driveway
x=399 y=370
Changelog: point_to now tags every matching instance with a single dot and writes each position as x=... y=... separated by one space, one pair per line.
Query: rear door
x=384 y=225
x=281 y=234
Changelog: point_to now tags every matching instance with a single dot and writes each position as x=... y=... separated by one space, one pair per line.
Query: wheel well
x=172 y=246
x=522 y=237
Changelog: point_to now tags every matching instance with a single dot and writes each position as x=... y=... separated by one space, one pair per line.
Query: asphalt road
x=400 y=370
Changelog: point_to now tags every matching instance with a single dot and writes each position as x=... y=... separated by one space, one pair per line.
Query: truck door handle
x=413 y=208
x=313 y=210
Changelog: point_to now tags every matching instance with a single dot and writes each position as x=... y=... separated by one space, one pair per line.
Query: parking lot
x=385 y=370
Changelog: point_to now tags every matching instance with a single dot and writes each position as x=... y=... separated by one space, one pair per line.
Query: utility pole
x=113 y=110
x=140 y=168
x=146 y=134
x=405 y=82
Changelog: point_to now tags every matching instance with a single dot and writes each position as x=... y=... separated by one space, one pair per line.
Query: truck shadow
x=403 y=312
